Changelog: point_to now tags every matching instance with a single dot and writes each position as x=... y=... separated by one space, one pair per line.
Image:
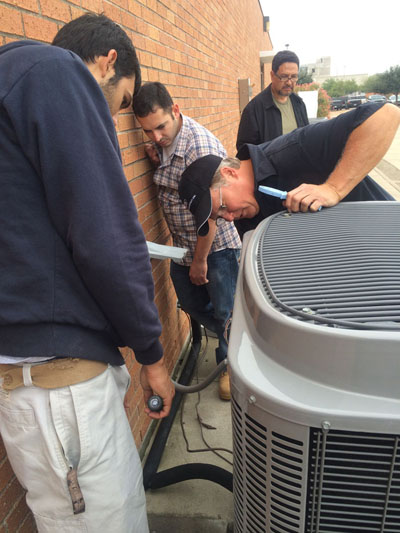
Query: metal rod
x=396 y=444
x=325 y=431
x=315 y=481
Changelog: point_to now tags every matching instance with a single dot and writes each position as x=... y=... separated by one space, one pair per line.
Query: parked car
x=338 y=103
x=377 y=98
x=393 y=100
x=355 y=101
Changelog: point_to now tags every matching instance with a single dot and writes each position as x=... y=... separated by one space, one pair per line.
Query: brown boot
x=224 y=386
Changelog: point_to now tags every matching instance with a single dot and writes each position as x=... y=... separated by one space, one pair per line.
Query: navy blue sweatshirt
x=75 y=275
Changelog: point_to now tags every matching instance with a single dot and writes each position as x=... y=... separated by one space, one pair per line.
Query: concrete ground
x=196 y=506
x=199 y=506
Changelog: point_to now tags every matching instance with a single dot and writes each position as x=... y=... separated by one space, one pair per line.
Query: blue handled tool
x=273 y=192
x=276 y=193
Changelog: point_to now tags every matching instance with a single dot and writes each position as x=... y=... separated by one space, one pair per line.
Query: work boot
x=224 y=386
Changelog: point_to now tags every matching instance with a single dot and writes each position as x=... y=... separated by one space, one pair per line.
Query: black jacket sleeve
x=249 y=131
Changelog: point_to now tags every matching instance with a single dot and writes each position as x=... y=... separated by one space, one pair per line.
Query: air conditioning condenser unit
x=314 y=355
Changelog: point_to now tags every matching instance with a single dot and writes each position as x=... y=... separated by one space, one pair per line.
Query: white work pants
x=83 y=426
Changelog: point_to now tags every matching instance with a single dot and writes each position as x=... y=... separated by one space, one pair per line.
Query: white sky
x=361 y=37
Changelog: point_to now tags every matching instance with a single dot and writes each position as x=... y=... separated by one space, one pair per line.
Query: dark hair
x=152 y=95
x=285 y=56
x=91 y=36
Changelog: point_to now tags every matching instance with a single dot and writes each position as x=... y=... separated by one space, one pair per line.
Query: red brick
x=123 y=4
x=10 y=20
x=28 y=526
x=135 y=137
x=39 y=29
x=130 y=155
x=141 y=167
x=153 y=234
x=129 y=173
x=145 y=75
x=56 y=9
x=29 y=5
x=20 y=513
x=6 y=474
x=125 y=121
x=135 y=8
x=145 y=198
x=113 y=12
x=135 y=186
x=95 y=6
x=9 y=496
x=123 y=140
x=144 y=58
x=76 y=11
x=129 y=21
x=3 y=452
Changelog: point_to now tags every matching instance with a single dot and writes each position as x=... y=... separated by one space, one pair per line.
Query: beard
x=108 y=89
x=286 y=89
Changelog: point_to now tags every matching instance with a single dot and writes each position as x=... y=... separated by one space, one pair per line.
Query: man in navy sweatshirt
x=75 y=281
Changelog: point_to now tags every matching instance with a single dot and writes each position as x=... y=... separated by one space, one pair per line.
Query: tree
x=351 y=86
x=304 y=77
x=374 y=84
x=333 y=87
x=384 y=83
x=391 y=80
x=336 y=87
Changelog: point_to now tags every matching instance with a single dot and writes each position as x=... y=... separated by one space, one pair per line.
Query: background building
x=320 y=71
x=200 y=51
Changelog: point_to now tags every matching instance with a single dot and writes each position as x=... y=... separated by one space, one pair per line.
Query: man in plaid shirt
x=205 y=282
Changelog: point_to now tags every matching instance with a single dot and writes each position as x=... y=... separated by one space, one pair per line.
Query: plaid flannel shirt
x=194 y=141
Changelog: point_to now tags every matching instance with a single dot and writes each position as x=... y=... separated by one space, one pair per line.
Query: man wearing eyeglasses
x=277 y=109
x=316 y=166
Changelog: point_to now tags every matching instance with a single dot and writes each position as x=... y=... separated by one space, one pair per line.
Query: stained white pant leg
x=47 y=431
x=34 y=452
x=104 y=430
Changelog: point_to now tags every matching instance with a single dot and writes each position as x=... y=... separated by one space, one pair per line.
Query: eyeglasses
x=285 y=77
x=221 y=209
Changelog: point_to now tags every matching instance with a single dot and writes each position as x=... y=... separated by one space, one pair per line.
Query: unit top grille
x=338 y=267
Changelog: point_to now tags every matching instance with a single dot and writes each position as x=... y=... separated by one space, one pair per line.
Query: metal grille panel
x=270 y=476
x=238 y=471
x=286 y=483
x=249 y=472
x=339 y=266
x=354 y=483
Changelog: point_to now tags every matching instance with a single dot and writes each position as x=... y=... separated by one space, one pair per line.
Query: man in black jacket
x=75 y=281
x=277 y=109
x=316 y=166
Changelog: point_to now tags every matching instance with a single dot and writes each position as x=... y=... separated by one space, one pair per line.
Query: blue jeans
x=210 y=304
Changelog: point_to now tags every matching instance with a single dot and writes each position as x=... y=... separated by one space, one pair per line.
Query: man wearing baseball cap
x=319 y=165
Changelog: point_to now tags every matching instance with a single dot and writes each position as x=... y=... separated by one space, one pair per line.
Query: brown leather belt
x=52 y=374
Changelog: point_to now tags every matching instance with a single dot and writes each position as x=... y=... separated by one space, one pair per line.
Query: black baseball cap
x=194 y=189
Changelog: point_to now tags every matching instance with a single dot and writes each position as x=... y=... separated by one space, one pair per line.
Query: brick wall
x=199 y=50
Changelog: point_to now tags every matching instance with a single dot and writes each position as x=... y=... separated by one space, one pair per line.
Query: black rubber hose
x=189 y=389
x=157 y=448
x=196 y=331
x=154 y=480
x=192 y=471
